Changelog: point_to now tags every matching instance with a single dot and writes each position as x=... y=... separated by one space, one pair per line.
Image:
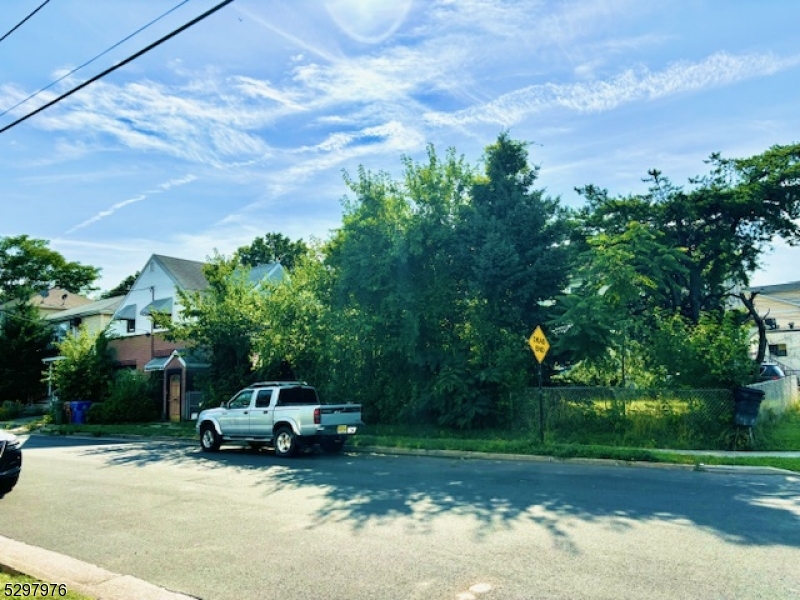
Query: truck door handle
x=245 y=412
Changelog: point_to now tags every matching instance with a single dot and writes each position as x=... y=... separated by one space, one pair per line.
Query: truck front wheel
x=209 y=438
x=285 y=442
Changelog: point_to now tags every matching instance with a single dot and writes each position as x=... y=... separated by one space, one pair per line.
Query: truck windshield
x=298 y=395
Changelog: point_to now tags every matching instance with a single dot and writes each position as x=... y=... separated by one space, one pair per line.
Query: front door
x=235 y=420
x=175 y=397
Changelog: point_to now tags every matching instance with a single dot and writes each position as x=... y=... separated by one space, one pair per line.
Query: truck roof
x=276 y=383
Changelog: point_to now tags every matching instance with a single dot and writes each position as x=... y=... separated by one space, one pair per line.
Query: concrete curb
x=78 y=576
x=466 y=455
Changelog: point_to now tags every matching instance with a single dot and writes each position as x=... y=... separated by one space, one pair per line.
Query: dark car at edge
x=10 y=461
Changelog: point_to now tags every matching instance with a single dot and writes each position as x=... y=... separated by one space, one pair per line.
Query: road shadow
x=361 y=489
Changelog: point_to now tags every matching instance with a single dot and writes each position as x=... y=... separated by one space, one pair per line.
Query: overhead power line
x=122 y=63
x=18 y=25
x=88 y=62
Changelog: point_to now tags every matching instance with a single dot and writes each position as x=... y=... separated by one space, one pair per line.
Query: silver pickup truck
x=283 y=414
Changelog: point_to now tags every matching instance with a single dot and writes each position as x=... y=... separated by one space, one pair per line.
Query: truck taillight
x=316 y=416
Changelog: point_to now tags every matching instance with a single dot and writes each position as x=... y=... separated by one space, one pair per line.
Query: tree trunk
x=749 y=303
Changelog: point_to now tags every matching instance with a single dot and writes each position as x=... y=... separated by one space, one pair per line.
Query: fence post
x=541 y=408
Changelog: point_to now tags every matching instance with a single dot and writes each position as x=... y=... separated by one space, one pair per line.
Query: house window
x=130 y=325
x=777 y=350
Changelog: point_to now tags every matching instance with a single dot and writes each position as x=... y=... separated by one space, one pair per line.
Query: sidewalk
x=78 y=576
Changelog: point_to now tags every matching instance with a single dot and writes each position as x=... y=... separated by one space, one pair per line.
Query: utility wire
x=88 y=62
x=18 y=25
x=133 y=57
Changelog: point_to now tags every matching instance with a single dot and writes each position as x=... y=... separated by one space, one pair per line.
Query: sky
x=244 y=123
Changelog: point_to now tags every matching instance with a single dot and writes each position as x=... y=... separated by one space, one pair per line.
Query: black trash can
x=746 y=404
x=57 y=411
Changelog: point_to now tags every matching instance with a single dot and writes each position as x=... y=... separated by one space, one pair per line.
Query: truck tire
x=332 y=446
x=285 y=442
x=209 y=438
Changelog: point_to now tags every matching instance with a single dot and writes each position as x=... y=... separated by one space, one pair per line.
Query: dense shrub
x=130 y=400
x=10 y=410
x=85 y=371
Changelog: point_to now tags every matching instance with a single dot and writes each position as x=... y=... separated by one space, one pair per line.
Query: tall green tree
x=272 y=247
x=122 y=288
x=514 y=249
x=438 y=281
x=721 y=224
x=617 y=285
x=366 y=256
x=434 y=296
x=25 y=339
x=693 y=249
x=295 y=339
x=28 y=266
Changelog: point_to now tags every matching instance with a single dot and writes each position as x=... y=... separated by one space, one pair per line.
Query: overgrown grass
x=22 y=586
x=779 y=433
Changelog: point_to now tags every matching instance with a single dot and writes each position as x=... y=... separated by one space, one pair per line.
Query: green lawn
x=781 y=435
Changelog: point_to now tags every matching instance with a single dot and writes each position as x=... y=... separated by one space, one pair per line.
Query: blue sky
x=243 y=124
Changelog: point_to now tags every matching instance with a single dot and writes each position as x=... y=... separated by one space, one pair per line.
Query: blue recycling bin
x=79 y=408
x=74 y=411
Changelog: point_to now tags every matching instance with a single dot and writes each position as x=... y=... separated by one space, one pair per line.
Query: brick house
x=138 y=344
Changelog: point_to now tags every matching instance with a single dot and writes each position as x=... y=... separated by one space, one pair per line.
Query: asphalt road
x=245 y=525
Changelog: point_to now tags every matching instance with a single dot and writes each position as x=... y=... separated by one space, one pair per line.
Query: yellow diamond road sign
x=539 y=344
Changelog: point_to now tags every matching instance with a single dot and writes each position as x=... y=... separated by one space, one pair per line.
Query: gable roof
x=58 y=299
x=187 y=274
x=107 y=306
x=788 y=291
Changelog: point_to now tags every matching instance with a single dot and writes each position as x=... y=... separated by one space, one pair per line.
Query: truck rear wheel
x=285 y=442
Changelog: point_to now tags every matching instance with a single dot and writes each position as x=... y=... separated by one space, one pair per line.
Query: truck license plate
x=345 y=429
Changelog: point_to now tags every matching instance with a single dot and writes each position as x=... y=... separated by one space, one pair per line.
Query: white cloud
x=629 y=86
x=167 y=185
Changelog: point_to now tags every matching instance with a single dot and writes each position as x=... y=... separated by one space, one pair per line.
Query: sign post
x=539 y=344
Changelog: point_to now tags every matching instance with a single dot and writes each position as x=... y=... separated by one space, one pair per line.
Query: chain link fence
x=690 y=419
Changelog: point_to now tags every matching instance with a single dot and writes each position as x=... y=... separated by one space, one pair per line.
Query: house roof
x=187 y=274
x=188 y=358
x=107 y=306
x=58 y=299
